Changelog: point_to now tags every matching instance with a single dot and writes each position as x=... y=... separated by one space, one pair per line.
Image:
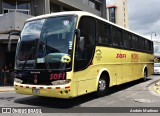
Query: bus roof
x=81 y=13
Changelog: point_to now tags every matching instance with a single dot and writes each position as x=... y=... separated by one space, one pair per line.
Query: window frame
x=16 y=9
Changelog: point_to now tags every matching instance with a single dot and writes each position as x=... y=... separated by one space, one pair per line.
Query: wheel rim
x=102 y=85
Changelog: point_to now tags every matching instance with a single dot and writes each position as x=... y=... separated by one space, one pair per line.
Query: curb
x=9 y=89
x=156 y=87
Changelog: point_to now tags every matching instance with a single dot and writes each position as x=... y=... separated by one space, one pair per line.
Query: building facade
x=117 y=12
x=13 y=14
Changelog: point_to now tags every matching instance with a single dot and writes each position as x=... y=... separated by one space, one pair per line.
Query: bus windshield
x=46 y=43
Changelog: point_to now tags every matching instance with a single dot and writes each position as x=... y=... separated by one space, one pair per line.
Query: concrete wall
x=12 y=21
x=79 y=5
x=0 y=6
x=104 y=12
x=40 y=7
x=121 y=13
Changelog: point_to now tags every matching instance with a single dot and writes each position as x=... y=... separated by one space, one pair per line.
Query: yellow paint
x=122 y=65
x=156 y=87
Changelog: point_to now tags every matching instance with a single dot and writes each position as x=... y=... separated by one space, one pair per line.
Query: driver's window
x=86 y=45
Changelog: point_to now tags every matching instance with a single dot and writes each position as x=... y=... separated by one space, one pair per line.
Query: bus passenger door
x=85 y=47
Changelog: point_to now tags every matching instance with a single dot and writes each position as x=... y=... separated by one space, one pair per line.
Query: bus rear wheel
x=103 y=86
x=145 y=75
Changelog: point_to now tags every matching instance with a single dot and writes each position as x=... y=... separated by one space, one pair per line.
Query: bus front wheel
x=103 y=86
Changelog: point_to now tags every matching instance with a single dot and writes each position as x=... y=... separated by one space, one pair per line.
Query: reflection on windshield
x=29 y=38
x=53 y=40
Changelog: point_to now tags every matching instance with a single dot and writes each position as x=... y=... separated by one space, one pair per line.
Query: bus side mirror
x=9 y=38
x=80 y=40
x=77 y=32
x=81 y=43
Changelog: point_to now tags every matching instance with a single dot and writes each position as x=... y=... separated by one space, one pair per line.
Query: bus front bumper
x=58 y=91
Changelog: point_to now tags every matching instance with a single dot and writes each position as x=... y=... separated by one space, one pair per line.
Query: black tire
x=103 y=86
x=145 y=75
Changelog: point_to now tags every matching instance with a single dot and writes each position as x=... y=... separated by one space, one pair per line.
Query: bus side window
x=127 y=40
x=135 y=42
x=103 y=33
x=117 y=37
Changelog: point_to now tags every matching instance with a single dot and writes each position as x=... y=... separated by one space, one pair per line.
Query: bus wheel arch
x=103 y=84
x=145 y=73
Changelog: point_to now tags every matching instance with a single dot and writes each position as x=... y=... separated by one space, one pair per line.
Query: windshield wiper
x=27 y=57
x=45 y=57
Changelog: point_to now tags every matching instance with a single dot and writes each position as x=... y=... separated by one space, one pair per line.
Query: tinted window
x=135 y=43
x=127 y=40
x=84 y=54
x=150 y=46
x=103 y=33
x=146 y=45
x=142 y=43
x=116 y=37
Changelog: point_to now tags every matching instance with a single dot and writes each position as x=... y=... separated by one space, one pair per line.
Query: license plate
x=35 y=91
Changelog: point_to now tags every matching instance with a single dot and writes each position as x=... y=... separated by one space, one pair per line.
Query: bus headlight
x=18 y=80
x=61 y=82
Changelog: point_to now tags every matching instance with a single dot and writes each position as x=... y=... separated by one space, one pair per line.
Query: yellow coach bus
x=68 y=54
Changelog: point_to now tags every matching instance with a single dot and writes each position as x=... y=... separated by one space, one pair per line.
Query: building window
x=95 y=4
x=112 y=17
x=123 y=3
x=16 y=6
x=54 y=7
x=98 y=6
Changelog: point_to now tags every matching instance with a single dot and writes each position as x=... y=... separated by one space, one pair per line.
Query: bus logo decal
x=134 y=57
x=57 y=76
x=98 y=54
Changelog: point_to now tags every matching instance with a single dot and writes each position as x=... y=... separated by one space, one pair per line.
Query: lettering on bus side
x=134 y=57
x=121 y=56
x=57 y=76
